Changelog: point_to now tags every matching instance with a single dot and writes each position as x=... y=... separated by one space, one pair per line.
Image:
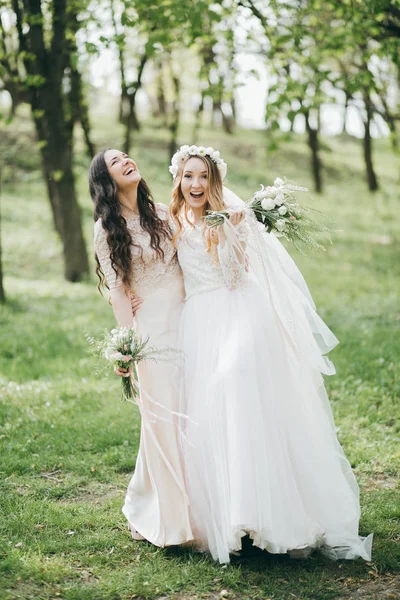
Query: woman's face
x=194 y=184
x=122 y=169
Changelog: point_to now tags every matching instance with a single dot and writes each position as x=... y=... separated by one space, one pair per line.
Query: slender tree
x=42 y=30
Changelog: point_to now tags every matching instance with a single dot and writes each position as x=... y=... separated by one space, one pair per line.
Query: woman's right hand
x=122 y=372
x=136 y=301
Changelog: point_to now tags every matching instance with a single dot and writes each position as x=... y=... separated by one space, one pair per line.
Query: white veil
x=276 y=272
x=307 y=339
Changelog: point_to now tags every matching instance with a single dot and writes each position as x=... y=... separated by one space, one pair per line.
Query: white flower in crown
x=186 y=151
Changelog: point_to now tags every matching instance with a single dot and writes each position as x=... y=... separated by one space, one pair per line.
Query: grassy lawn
x=68 y=444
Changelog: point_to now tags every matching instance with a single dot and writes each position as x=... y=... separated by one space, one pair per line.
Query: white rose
x=184 y=148
x=278 y=181
x=268 y=204
x=282 y=210
x=223 y=169
x=209 y=151
x=279 y=198
x=215 y=155
x=202 y=151
x=269 y=192
x=193 y=150
x=280 y=224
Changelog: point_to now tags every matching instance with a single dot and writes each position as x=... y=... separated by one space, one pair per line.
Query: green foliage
x=316 y=49
x=68 y=444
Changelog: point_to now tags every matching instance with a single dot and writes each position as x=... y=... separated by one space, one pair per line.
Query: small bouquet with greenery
x=124 y=348
x=277 y=209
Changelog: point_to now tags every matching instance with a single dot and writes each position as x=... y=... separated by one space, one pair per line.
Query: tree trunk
x=346 y=106
x=227 y=122
x=56 y=153
x=197 y=120
x=123 y=103
x=161 y=112
x=393 y=132
x=2 y=292
x=175 y=117
x=391 y=122
x=79 y=108
x=132 y=123
x=313 y=143
x=46 y=67
x=233 y=106
x=371 y=177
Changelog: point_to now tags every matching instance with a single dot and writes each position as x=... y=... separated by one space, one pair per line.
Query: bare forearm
x=122 y=308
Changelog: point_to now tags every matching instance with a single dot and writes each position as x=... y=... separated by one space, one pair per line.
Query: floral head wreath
x=185 y=152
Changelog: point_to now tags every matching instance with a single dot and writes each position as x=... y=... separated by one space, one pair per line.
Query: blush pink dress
x=156 y=504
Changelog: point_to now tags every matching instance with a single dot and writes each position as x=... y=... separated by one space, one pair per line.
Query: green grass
x=68 y=445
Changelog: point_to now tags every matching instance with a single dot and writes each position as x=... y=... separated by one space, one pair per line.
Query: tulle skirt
x=260 y=452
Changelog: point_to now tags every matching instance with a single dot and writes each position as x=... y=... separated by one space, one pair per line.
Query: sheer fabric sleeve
x=102 y=250
x=163 y=212
x=232 y=254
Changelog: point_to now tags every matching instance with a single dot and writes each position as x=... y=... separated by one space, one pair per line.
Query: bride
x=260 y=452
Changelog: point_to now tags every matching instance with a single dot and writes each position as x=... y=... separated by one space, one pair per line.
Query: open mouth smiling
x=129 y=171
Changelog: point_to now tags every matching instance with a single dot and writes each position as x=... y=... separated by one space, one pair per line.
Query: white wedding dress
x=260 y=451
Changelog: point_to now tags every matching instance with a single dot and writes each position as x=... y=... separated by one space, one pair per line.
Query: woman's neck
x=128 y=200
x=198 y=214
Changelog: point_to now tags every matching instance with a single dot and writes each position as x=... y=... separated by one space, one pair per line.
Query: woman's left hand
x=236 y=217
x=213 y=233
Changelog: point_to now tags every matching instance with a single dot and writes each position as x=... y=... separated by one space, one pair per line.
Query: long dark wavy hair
x=108 y=208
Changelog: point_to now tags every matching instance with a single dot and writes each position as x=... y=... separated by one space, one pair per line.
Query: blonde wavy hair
x=215 y=200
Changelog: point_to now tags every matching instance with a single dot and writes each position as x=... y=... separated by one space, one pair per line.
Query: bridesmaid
x=137 y=261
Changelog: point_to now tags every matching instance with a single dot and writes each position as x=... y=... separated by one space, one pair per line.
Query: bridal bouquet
x=123 y=347
x=277 y=209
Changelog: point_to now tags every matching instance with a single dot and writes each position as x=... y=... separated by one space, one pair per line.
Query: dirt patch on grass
x=96 y=495
x=381 y=481
x=386 y=587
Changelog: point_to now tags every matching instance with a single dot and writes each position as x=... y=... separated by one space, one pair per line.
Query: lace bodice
x=201 y=273
x=146 y=270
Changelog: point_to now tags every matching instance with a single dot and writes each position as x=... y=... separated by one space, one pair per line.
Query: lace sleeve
x=232 y=254
x=163 y=213
x=102 y=250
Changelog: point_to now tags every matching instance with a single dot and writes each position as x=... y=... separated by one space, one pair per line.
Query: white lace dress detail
x=148 y=270
x=231 y=255
x=201 y=272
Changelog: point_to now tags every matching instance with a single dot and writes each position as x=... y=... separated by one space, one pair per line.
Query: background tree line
x=315 y=53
